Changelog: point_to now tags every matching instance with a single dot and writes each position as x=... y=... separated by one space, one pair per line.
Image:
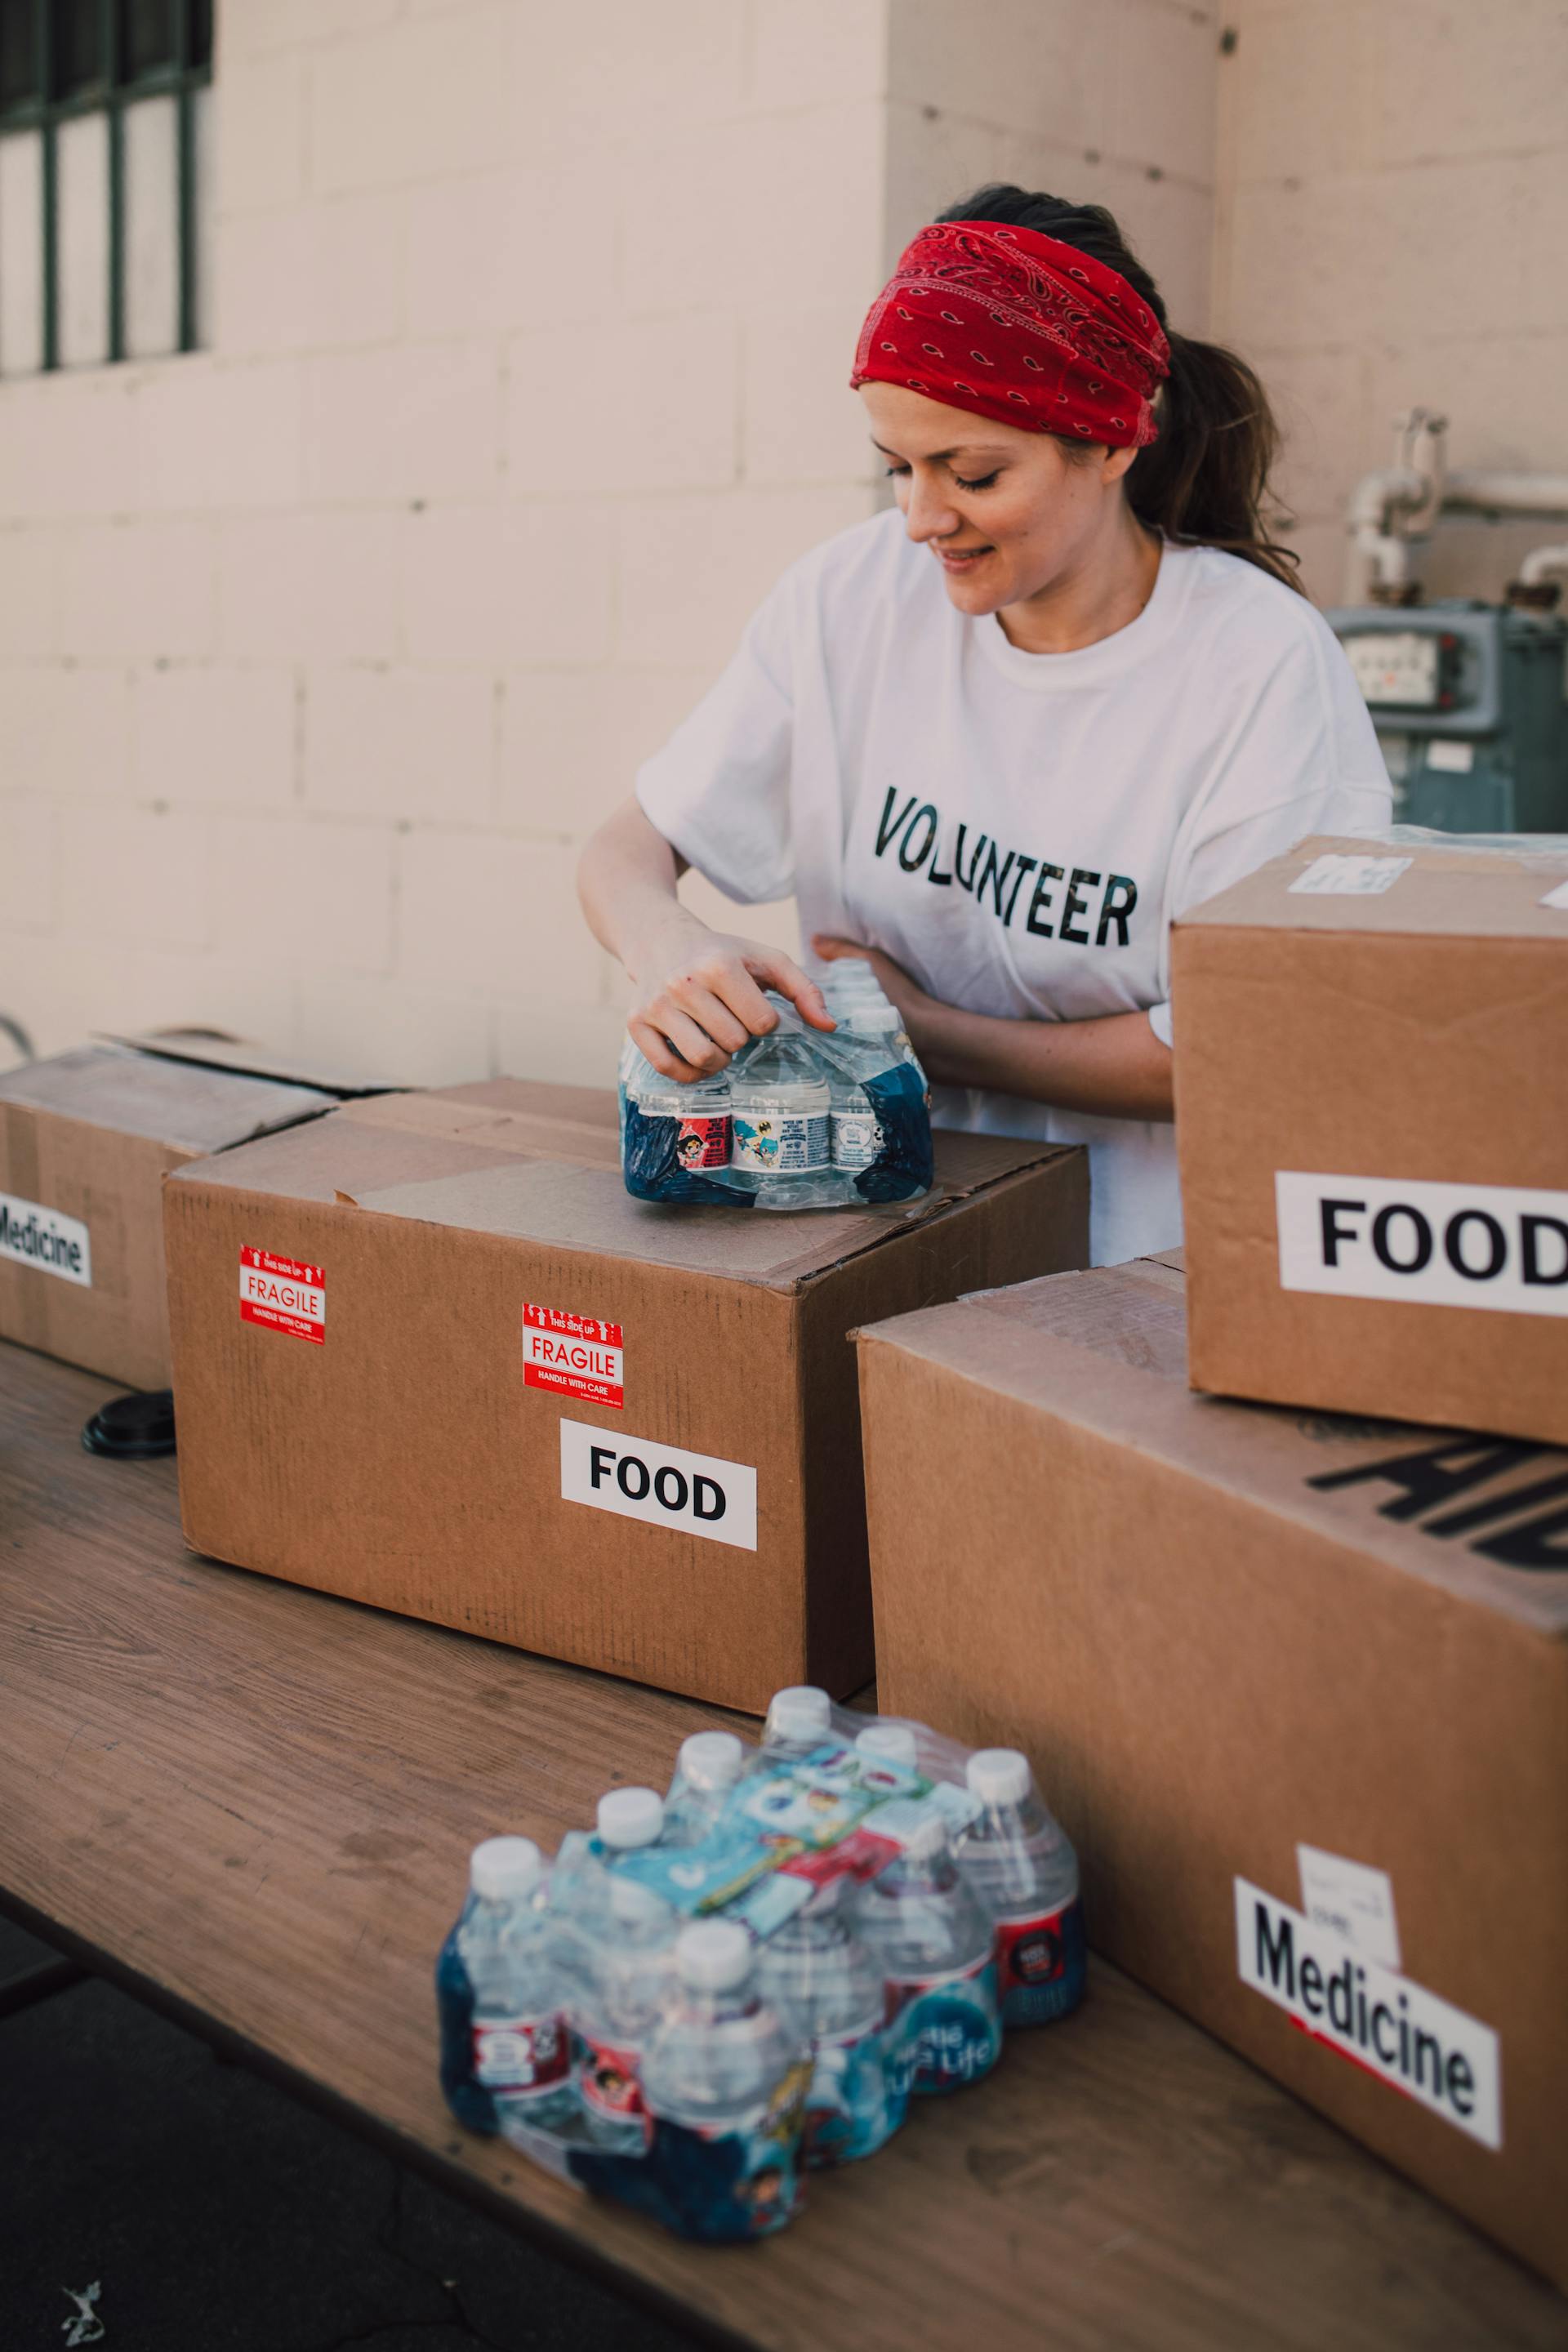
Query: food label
x=949 y=2025
x=1388 y=2024
x=704 y=1142
x=283 y=1295
x=786 y=1144
x=1336 y=875
x=1351 y=1900
x=574 y=1355
x=856 y=1137
x=520 y=2053
x=1500 y=1247
x=32 y=1235
x=664 y=1485
x=1041 y=1965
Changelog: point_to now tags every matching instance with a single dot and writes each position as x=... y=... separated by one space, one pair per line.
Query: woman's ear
x=1116 y=464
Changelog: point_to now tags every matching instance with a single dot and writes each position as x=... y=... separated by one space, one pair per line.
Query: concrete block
x=260 y=144
x=141 y=591
x=503 y=250
x=139 y=875
x=144 y=988
x=1013 y=65
x=804 y=51
x=642 y=404
x=217 y=735
x=1503 y=398
x=803 y=424
x=1334 y=430
x=1301 y=91
x=776 y=923
x=1324 y=549
x=414 y=421
x=414 y=1036
x=1455 y=81
x=572 y=740
x=793 y=202
x=401 y=743
x=324 y=586
x=318 y=277
x=304 y=895
x=509 y=583
x=679 y=63
x=29 y=592
x=67 y=447
x=577 y=1045
x=209 y=435
x=67 y=730
x=258 y=27
x=413 y=100
x=492 y=913
x=693 y=570
x=1543 y=179
x=30 y=871
x=1164 y=89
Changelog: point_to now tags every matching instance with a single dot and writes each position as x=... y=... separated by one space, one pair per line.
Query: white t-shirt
x=1019 y=829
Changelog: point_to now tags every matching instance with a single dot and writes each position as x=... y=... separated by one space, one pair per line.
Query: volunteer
x=996 y=739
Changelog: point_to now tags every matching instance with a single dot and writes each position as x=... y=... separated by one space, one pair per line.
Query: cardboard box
x=86 y=1139
x=1370 y=1041
x=429 y=1354
x=1287 y=1678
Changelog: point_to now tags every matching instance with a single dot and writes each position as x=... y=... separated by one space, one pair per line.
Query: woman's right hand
x=698 y=997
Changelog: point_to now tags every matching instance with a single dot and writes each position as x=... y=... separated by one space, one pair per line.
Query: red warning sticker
x=283 y=1295
x=574 y=1355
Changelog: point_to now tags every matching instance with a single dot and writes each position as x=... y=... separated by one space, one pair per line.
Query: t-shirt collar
x=1108 y=656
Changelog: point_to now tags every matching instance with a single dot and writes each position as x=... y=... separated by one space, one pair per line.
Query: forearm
x=1113 y=1067
x=626 y=881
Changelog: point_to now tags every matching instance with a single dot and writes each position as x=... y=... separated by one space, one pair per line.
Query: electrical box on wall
x=1468 y=703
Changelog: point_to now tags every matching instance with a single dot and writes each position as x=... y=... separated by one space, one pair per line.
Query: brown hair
x=1205 y=479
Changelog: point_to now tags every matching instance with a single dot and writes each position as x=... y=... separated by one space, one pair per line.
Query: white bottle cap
x=927 y=1839
x=894 y=1740
x=998 y=1776
x=712 y=1759
x=505 y=1869
x=715 y=1956
x=800 y=1712
x=630 y=1817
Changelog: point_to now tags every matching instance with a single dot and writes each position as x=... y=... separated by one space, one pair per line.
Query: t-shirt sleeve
x=720 y=790
x=1303 y=758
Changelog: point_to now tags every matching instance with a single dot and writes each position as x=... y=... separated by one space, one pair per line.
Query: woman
x=997 y=739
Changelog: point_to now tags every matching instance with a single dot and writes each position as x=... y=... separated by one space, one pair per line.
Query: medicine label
x=282 y=1295
x=574 y=1355
x=32 y=1235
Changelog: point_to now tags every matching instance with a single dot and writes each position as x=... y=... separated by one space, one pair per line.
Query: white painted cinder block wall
x=322 y=650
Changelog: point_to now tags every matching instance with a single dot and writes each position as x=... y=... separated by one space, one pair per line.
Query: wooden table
x=257 y=1804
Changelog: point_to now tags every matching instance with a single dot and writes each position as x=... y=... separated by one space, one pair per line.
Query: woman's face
x=1008 y=515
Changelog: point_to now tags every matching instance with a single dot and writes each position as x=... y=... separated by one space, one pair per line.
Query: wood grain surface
x=261 y=1800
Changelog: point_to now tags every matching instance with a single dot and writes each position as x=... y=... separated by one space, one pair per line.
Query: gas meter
x=1467 y=701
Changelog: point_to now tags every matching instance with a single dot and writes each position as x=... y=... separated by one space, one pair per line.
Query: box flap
x=186 y=1103
x=500 y=1157
x=1103 y=1350
x=214 y=1049
x=1445 y=889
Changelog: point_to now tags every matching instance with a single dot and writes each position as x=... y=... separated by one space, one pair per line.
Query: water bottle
x=710 y=1764
x=1025 y=1871
x=724 y=2080
x=799 y=1719
x=819 y=1974
x=626 y=1975
x=894 y=1741
x=505 y=2052
x=934 y=1943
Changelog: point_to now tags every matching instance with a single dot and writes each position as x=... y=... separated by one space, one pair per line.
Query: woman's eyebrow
x=940 y=456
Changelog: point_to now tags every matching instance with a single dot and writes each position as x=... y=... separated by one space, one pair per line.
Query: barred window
x=103 y=108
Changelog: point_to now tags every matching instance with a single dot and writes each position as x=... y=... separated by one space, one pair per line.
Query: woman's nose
x=928 y=515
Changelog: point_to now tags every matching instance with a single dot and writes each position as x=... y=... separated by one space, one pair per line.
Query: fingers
x=655 y=1047
x=710 y=1013
x=781 y=971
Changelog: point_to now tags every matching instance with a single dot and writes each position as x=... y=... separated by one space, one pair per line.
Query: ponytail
x=1205 y=481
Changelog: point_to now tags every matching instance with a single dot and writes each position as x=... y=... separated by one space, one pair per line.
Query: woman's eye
x=985 y=482
x=891 y=470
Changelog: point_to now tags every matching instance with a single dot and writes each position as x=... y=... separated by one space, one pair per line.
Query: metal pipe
x=1539 y=498
x=1543 y=564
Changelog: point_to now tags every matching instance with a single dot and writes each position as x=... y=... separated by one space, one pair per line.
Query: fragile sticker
x=283 y=1295
x=1437 y=2054
x=1339 y=876
x=574 y=1355
x=1503 y=1247
x=700 y=1494
x=32 y=1235
x=1352 y=1899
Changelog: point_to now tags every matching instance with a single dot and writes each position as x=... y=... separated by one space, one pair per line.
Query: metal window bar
x=189 y=71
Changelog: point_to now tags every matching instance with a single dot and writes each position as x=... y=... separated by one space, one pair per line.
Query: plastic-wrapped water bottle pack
x=753 y=1976
x=801 y=1118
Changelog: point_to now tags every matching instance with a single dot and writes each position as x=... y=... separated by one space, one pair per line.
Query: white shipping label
x=1558 y=898
x=698 y=1493
x=1424 y=2047
x=32 y=1235
x=1337 y=876
x=1500 y=1246
x=1450 y=757
x=1350 y=1899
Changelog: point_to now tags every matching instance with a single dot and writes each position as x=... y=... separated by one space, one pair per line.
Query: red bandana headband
x=1018 y=327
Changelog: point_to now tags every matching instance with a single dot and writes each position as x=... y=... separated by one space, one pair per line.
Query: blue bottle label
x=859 y=2090
x=951 y=2026
x=743 y=2182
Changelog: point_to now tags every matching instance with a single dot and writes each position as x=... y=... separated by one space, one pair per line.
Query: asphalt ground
x=214 y=2212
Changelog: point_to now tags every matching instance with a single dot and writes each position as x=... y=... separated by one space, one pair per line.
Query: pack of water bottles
x=801 y=1118
x=751 y=1977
